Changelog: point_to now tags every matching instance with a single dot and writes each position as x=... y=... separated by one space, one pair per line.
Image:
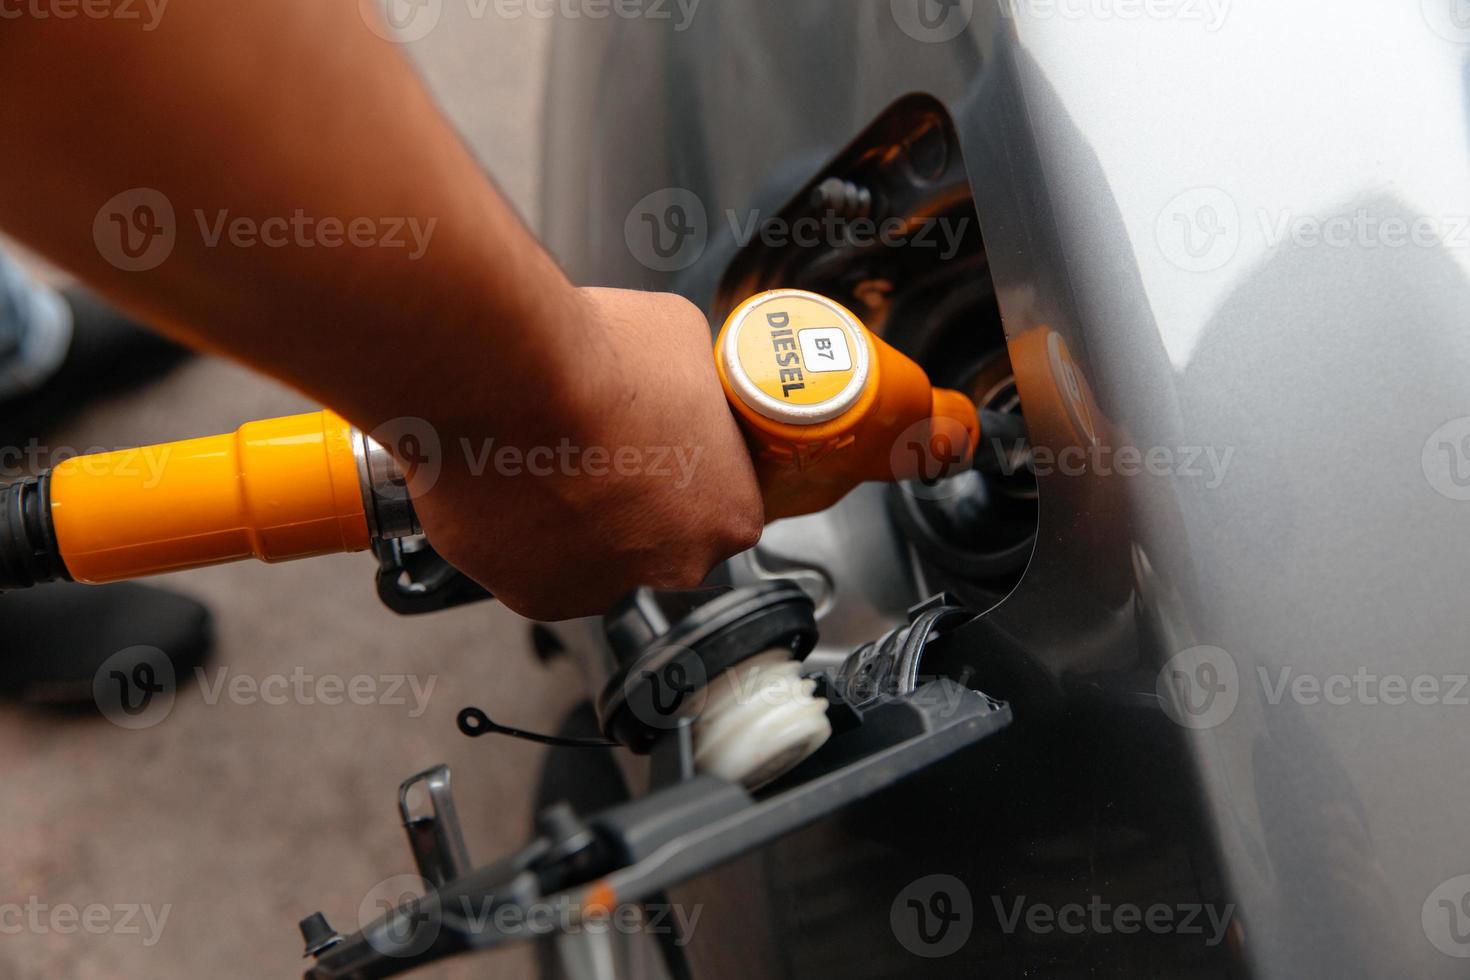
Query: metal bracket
x=413 y=579
x=434 y=837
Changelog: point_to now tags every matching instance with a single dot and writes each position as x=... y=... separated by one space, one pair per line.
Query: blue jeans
x=35 y=329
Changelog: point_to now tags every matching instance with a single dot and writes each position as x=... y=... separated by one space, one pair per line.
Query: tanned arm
x=275 y=111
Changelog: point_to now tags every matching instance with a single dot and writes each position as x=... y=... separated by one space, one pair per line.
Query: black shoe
x=109 y=353
x=54 y=639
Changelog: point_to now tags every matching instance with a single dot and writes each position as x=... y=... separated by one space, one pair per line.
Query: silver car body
x=1247 y=227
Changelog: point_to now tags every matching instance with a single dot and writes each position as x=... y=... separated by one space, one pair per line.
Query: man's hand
x=630 y=468
x=630 y=471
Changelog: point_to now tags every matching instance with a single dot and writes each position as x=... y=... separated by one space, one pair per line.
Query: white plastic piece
x=760 y=720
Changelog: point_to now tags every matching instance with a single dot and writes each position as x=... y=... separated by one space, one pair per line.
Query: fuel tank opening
x=902 y=249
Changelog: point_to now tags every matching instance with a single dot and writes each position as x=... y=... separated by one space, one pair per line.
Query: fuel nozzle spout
x=826 y=404
x=274 y=490
x=1004 y=443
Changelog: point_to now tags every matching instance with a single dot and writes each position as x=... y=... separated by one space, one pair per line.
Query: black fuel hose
x=29 y=554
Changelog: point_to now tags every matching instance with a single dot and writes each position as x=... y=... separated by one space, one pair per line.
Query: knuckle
x=742 y=523
x=742 y=534
x=685 y=575
x=692 y=573
x=535 y=603
x=525 y=607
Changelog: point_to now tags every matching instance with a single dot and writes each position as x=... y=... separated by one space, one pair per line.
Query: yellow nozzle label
x=795 y=356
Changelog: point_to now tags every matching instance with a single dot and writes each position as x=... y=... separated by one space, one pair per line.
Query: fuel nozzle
x=274 y=490
x=826 y=404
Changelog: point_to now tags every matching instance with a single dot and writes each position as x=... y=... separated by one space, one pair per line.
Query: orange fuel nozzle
x=274 y=490
x=826 y=404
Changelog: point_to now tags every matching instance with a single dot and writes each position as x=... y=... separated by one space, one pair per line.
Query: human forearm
x=198 y=111
x=258 y=111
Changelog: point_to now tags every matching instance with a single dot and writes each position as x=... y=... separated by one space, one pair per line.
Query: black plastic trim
x=29 y=552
